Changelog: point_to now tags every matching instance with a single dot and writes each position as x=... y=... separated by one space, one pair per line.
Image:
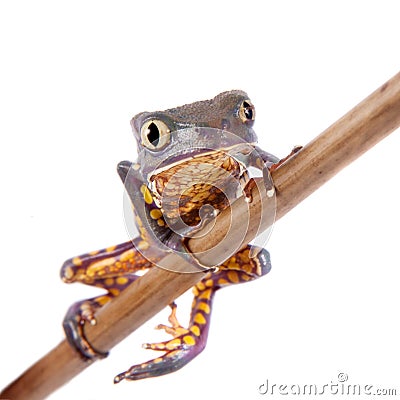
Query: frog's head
x=157 y=139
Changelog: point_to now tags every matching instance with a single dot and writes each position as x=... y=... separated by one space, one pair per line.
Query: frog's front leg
x=260 y=159
x=149 y=217
x=279 y=162
x=152 y=225
x=188 y=343
x=112 y=269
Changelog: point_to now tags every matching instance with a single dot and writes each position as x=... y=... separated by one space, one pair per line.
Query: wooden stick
x=359 y=130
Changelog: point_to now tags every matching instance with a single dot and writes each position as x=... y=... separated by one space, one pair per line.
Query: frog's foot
x=295 y=150
x=79 y=314
x=185 y=345
x=176 y=329
x=178 y=352
x=83 y=312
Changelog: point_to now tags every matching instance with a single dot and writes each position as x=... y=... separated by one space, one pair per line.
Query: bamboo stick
x=348 y=138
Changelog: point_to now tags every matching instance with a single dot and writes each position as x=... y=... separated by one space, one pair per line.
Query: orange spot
x=160 y=222
x=246 y=277
x=109 y=281
x=114 y=292
x=94 y=252
x=110 y=249
x=204 y=307
x=156 y=213
x=77 y=261
x=195 y=291
x=233 y=265
x=143 y=245
x=157 y=360
x=173 y=344
x=201 y=286
x=146 y=194
x=206 y=294
x=195 y=330
x=222 y=281
x=189 y=340
x=121 y=280
x=209 y=283
x=199 y=318
x=127 y=255
x=100 y=265
x=233 y=276
x=103 y=300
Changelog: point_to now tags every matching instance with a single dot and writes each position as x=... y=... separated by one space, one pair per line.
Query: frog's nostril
x=225 y=124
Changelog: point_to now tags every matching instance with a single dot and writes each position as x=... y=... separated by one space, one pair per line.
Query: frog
x=161 y=152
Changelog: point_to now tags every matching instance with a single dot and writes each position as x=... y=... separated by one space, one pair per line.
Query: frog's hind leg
x=188 y=343
x=112 y=269
x=83 y=312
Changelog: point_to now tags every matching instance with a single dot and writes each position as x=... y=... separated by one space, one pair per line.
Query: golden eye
x=155 y=134
x=247 y=111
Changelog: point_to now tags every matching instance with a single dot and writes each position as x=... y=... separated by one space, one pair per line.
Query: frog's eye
x=155 y=134
x=247 y=111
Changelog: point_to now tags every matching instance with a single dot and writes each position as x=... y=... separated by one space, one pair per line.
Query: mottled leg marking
x=188 y=343
x=112 y=269
x=113 y=261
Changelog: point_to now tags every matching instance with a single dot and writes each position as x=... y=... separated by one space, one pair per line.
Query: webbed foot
x=79 y=314
x=295 y=150
x=178 y=352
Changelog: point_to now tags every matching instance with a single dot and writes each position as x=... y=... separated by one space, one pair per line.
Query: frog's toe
x=69 y=272
x=178 y=352
x=169 y=345
x=176 y=329
x=77 y=316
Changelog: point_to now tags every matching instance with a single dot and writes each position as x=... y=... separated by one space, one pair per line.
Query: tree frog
x=162 y=153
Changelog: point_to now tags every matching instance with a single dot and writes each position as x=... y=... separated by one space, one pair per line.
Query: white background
x=72 y=74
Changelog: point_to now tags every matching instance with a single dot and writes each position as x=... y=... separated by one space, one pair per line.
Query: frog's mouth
x=188 y=144
x=186 y=157
x=203 y=156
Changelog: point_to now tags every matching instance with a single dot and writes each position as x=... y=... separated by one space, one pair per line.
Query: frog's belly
x=185 y=187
